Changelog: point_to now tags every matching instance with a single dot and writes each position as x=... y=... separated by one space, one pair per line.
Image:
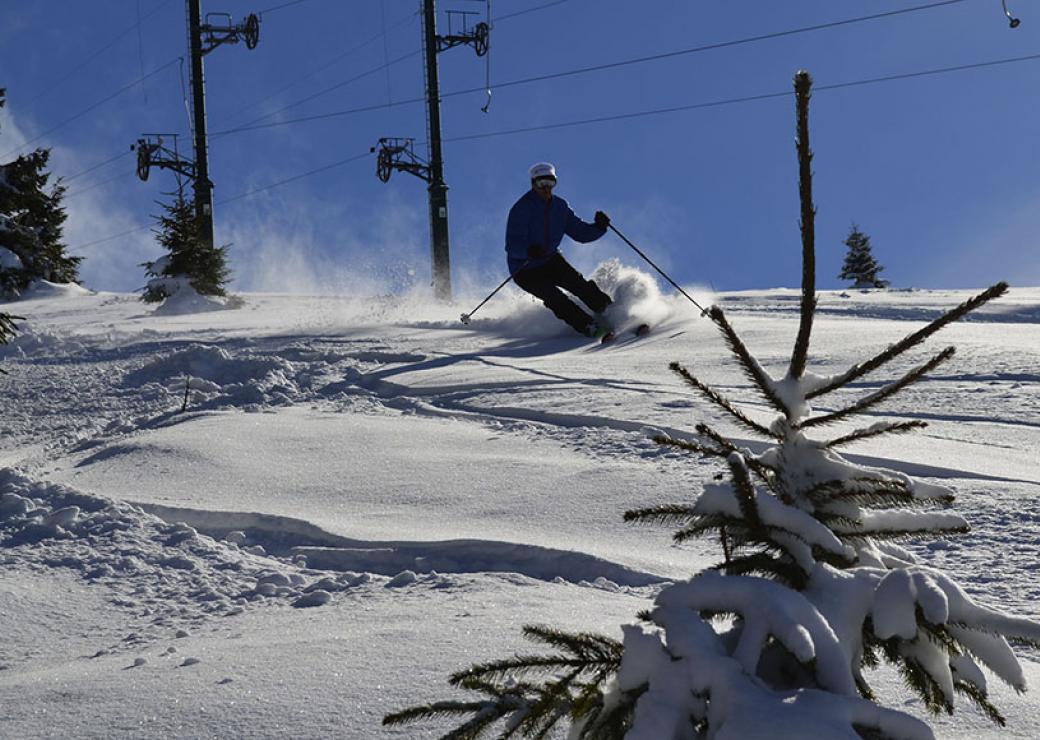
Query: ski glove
x=535 y=251
x=602 y=220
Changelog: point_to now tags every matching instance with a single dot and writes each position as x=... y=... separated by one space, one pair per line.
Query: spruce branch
x=979 y=698
x=486 y=713
x=877 y=430
x=705 y=524
x=925 y=685
x=7 y=326
x=665 y=515
x=858 y=371
x=554 y=703
x=612 y=723
x=889 y=535
x=802 y=87
x=518 y=665
x=861 y=491
x=689 y=445
x=582 y=650
x=765 y=472
x=882 y=393
x=937 y=633
x=715 y=397
x=723 y=450
x=581 y=644
x=764 y=564
x=748 y=363
x=744 y=491
x=532 y=709
x=832 y=519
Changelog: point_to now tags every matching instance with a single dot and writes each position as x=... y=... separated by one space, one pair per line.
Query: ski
x=640 y=331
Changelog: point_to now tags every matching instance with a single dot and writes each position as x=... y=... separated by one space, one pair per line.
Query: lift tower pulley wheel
x=215 y=34
x=397 y=154
x=152 y=153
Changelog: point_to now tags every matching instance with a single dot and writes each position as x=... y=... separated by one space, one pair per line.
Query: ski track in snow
x=87 y=394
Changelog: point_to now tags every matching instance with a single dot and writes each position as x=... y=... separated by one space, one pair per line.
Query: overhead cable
x=287 y=180
x=343 y=55
x=713 y=47
x=233 y=198
x=79 y=66
x=749 y=98
x=529 y=10
x=283 y=5
x=249 y=124
x=623 y=116
x=90 y=108
x=596 y=68
x=383 y=34
x=97 y=166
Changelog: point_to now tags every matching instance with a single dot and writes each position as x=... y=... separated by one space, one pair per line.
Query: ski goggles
x=545 y=182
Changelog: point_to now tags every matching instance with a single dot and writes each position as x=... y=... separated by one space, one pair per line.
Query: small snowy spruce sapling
x=32 y=219
x=189 y=258
x=772 y=642
x=860 y=265
x=8 y=329
x=7 y=326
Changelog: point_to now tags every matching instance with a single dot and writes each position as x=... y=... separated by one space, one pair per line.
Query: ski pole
x=651 y=263
x=464 y=318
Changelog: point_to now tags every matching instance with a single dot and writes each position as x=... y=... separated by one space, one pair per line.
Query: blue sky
x=940 y=170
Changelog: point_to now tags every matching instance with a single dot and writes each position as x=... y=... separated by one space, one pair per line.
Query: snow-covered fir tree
x=189 y=259
x=860 y=265
x=31 y=223
x=7 y=325
x=812 y=590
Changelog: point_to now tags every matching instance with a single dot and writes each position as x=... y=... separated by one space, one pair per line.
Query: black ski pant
x=545 y=282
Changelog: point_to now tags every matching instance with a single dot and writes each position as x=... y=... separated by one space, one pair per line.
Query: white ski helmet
x=543 y=169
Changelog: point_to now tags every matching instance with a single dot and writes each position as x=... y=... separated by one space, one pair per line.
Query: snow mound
x=42 y=289
x=218 y=379
x=184 y=300
x=9 y=260
x=31 y=342
x=167 y=571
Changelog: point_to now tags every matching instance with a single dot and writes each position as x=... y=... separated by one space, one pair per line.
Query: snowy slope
x=290 y=518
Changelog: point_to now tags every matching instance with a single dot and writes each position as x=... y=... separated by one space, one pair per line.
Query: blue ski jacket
x=535 y=223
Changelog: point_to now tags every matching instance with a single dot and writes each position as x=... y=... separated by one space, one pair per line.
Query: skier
x=536 y=225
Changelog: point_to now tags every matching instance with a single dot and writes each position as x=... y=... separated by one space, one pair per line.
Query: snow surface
x=289 y=519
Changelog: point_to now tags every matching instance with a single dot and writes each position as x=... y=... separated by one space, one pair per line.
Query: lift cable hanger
x=1012 y=20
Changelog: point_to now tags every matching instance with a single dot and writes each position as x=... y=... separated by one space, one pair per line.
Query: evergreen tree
x=772 y=641
x=189 y=258
x=7 y=325
x=860 y=264
x=31 y=224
